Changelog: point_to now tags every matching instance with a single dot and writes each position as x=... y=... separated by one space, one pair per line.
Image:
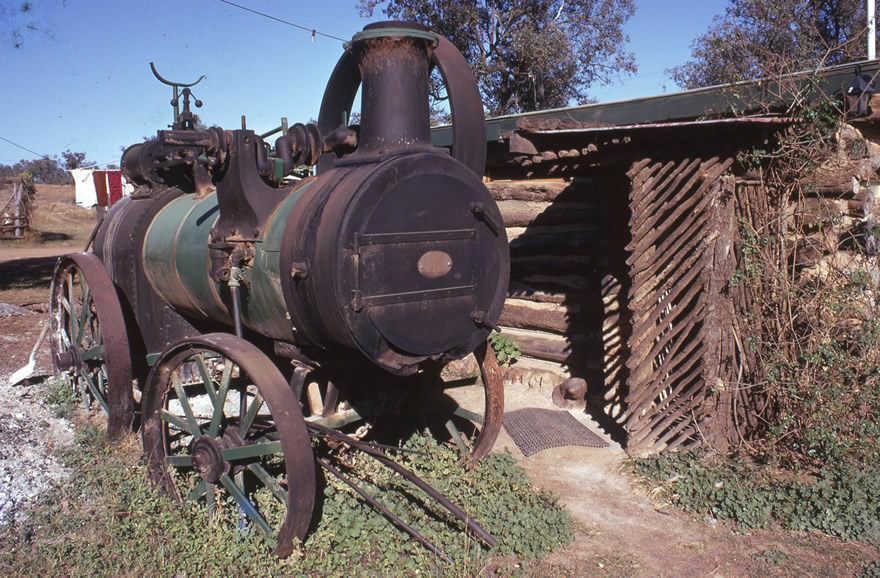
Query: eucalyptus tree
x=528 y=54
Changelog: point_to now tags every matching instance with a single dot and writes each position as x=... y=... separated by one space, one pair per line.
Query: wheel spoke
x=179 y=461
x=253 y=451
x=229 y=455
x=184 y=403
x=85 y=307
x=246 y=506
x=220 y=403
x=198 y=492
x=179 y=423
x=64 y=324
x=84 y=313
x=206 y=378
x=211 y=497
x=97 y=394
x=65 y=303
x=249 y=417
x=72 y=316
x=83 y=391
x=456 y=437
x=468 y=415
x=269 y=481
x=102 y=384
x=65 y=339
x=93 y=352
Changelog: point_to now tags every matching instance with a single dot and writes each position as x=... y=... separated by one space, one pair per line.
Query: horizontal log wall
x=568 y=276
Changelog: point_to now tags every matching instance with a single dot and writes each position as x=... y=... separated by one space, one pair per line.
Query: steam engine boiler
x=221 y=285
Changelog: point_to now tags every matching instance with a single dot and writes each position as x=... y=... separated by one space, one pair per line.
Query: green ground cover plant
x=841 y=501
x=108 y=519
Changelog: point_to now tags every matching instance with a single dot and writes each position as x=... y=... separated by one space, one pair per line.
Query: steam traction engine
x=223 y=292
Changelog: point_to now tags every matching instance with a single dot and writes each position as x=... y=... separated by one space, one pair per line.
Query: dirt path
x=620 y=531
x=27 y=253
x=26 y=272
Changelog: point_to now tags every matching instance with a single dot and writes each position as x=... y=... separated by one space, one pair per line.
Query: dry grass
x=56 y=220
x=58 y=226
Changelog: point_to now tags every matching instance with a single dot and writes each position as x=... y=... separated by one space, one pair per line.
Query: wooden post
x=17 y=190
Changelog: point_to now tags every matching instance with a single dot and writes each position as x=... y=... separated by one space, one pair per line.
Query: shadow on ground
x=27 y=274
x=49 y=236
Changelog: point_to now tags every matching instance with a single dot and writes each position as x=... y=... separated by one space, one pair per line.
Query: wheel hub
x=69 y=360
x=207 y=459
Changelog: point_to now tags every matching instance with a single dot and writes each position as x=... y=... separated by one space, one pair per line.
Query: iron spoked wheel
x=222 y=429
x=488 y=423
x=472 y=417
x=89 y=340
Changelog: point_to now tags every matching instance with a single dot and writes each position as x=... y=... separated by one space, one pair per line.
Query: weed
x=806 y=291
x=61 y=397
x=773 y=556
x=505 y=348
x=843 y=501
x=108 y=519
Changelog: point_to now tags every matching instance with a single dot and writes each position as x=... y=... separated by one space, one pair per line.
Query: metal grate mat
x=534 y=430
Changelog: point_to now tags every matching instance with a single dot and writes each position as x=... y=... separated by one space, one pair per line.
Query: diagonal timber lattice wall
x=683 y=230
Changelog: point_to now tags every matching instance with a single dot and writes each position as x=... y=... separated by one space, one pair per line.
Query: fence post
x=17 y=190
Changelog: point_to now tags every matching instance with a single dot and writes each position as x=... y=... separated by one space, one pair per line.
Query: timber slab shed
x=623 y=220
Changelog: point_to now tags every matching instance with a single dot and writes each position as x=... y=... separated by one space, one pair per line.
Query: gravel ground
x=29 y=432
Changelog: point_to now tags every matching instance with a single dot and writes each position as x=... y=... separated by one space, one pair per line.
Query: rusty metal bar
x=390 y=515
x=379 y=455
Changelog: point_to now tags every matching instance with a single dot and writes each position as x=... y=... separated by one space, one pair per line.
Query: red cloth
x=100 y=187
x=114 y=186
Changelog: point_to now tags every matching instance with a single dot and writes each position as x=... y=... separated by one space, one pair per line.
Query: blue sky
x=83 y=82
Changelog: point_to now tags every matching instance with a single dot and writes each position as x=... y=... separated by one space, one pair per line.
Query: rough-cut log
x=862 y=204
x=531 y=190
x=670 y=184
x=699 y=200
x=576 y=351
x=542 y=294
x=677 y=435
x=526 y=315
x=669 y=335
x=686 y=365
x=654 y=283
x=668 y=249
x=635 y=173
x=552 y=263
x=612 y=273
x=551 y=239
x=685 y=440
x=813 y=212
x=554 y=235
x=560 y=282
x=857 y=158
x=648 y=436
x=529 y=213
x=538 y=373
x=553 y=317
